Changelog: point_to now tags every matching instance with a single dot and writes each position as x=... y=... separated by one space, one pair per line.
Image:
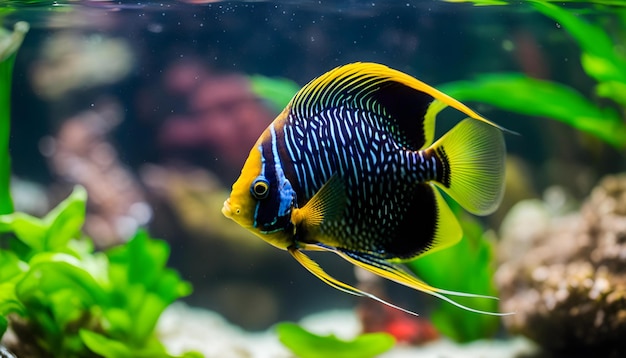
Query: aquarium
x=124 y=124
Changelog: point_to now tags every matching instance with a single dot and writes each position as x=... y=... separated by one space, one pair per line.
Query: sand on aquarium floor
x=183 y=328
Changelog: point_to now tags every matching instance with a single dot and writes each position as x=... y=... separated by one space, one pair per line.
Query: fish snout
x=231 y=210
x=227 y=210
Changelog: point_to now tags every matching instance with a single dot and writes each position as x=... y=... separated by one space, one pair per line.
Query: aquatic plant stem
x=9 y=44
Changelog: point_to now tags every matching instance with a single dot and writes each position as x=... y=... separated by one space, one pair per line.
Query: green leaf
x=54 y=232
x=119 y=321
x=602 y=68
x=47 y=277
x=66 y=307
x=104 y=346
x=613 y=90
x=65 y=221
x=305 y=344
x=142 y=284
x=192 y=354
x=144 y=259
x=517 y=2
x=277 y=91
x=9 y=44
x=11 y=268
x=4 y=324
x=482 y=2
x=170 y=286
x=9 y=303
x=602 y=61
x=28 y=229
x=518 y=93
x=146 y=317
x=110 y=348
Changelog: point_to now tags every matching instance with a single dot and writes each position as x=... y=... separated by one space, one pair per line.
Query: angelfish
x=350 y=166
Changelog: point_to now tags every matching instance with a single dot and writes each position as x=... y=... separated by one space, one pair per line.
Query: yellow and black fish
x=350 y=167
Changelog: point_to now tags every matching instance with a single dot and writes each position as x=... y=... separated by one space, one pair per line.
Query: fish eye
x=260 y=188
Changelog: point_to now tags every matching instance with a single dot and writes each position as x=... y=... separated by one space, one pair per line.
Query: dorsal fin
x=409 y=105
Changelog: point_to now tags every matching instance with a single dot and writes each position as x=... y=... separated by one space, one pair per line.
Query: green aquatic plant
x=473 y=261
x=9 y=44
x=277 y=91
x=515 y=2
x=305 y=344
x=27 y=3
x=8 y=7
x=519 y=93
x=72 y=301
x=600 y=58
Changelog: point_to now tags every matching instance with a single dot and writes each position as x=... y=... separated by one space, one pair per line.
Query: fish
x=351 y=166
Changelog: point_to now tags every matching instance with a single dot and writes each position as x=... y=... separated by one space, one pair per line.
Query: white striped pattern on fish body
x=379 y=174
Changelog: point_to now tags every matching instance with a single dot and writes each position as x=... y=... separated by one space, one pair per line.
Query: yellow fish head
x=262 y=200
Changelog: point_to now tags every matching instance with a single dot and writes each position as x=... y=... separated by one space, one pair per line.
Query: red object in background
x=407 y=329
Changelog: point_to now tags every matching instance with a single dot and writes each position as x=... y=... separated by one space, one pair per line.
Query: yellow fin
x=384 y=269
x=316 y=270
x=396 y=274
x=474 y=154
x=410 y=105
x=410 y=81
x=429 y=121
x=327 y=204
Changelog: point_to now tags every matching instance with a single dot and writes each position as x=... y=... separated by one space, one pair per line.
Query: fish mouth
x=226 y=210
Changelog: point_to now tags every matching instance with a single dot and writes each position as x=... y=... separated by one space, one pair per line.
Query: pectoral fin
x=327 y=204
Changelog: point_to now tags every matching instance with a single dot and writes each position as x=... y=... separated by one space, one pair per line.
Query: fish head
x=262 y=200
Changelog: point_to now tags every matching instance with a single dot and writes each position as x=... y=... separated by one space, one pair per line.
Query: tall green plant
x=9 y=44
x=76 y=302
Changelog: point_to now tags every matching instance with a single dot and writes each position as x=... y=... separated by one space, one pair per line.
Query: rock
x=4 y=353
x=564 y=276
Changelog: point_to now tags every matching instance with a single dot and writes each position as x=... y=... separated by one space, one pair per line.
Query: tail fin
x=473 y=154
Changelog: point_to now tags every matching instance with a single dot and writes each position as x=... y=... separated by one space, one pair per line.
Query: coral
x=196 y=197
x=564 y=275
x=375 y=317
x=73 y=62
x=406 y=329
x=220 y=117
x=81 y=153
